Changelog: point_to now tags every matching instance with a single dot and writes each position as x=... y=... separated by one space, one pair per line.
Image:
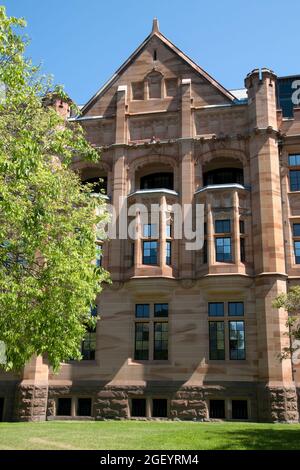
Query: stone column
x=236 y=228
x=32 y=393
x=117 y=246
x=276 y=390
x=187 y=177
x=162 y=232
x=210 y=234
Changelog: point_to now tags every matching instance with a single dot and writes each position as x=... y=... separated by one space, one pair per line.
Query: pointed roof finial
x=155 y=26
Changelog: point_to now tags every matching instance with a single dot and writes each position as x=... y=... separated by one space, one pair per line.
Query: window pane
x=237 y=340
x=137 y=90
x=64 y=407
x=98 y=255
x=160 y=341
x=157 y=181
x=235 y=309
x=150 y=252
x=223 y=249
x=84 y=407
x=168 y=231
x=294 y=160
x=224 y=176
x=204 y=252
x=242 y=226
x=216 y=340
x=216 y=309
x=138 y=407
x=296 y=230
x=242 y=250
x=295 y=180
x=222 y=226
x=217 y=409
x=161 y=310
x=88 y=346
x=150 y=230
x=297 y=252
x=141 y=341
x=169 y=253
x=159 y=408
x=142 y=310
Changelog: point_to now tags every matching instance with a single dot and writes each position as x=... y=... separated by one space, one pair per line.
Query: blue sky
x=83 y=42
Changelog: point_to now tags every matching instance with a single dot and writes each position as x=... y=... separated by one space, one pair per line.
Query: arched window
x=223 y=176
x=157 y=181
x=154 y=85
x=100 y=184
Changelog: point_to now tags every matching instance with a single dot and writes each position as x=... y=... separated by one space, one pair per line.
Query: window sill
x=150 y=362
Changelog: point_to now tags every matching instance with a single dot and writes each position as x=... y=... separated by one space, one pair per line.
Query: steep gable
x=156 y=55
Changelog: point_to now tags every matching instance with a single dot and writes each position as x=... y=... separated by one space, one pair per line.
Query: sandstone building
x=186 y=334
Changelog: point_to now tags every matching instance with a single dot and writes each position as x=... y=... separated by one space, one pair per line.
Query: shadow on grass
x=262 y=439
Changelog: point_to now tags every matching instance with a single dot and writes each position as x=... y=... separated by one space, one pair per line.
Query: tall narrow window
x=171 y=87
x=237 y=340
x=98 y=255
x=137 y=89
x=216 y=340
x=297 y=251
x=151 y=331
x=88 y=346
x=141 y=341
x=160 y=341
x=150 y=250
x=204 y=252
x=294 y=162
x=242 y=250
x=223 y=249
x=168 y=252
x=154 y=85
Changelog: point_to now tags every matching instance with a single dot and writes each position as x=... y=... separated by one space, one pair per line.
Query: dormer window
x=137 y=89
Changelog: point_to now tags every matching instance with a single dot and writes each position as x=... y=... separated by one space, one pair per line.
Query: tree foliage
x=48 y=280
x=291 y=303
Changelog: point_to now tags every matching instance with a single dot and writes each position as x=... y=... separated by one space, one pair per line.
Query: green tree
x=291 y=303
x=48 y=281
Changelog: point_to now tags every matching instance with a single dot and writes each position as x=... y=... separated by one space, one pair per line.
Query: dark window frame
x=240 y=353
x=151 y=259
x=223 y=256
x=222 y=226
x=216 y=354
x=142 y=328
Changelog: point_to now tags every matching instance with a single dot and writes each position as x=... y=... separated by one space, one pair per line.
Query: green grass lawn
x=147 y=435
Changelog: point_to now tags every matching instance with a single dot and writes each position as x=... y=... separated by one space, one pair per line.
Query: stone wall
x=277 y=404
x=31 y=402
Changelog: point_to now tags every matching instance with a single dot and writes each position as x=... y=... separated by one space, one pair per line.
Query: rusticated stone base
x=266 y=404
x=277 y=404
x=189 y=404
x=31 y=402
x=111 y=403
